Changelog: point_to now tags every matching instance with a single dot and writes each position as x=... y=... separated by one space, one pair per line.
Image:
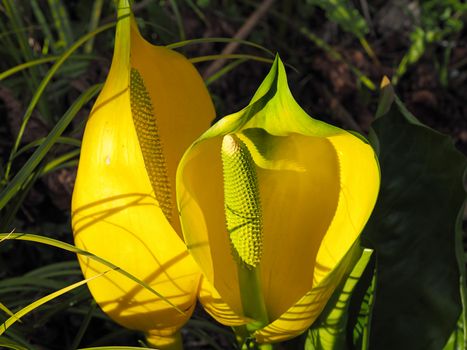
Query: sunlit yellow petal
x=126 y=180
x=317 y=187
x=210 y=246
x=300 y=316
x=358 y=192
x=216 y=306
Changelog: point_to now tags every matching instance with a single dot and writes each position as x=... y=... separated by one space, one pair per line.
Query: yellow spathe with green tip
x=152 y=107
x=315 y=186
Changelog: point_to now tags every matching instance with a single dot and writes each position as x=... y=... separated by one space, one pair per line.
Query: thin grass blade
x=22 y=176
x=43 y=300
x=45 y=82
x=71 y=248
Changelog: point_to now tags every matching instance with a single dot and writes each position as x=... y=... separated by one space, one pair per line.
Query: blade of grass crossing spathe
x=71 y=248
x=44 y=83
x=43 y=300
x=18 y=181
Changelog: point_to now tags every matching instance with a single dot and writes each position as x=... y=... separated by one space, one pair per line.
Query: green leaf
x=343 y=13
x=6 y=309
x=10 y=344
x=31 y=307
x=330 y=331
x=28 y=168
x=456 y=340
x=360 y=308
x=413 y=232
x=71 y=248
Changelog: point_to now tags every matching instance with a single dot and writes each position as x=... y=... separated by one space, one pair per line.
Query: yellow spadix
x=275 y=230
x=151 y=108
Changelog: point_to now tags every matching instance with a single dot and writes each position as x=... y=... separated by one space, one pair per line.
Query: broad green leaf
x=358 y=325
x=330 y=331
x=413 y=232
x=456 y=340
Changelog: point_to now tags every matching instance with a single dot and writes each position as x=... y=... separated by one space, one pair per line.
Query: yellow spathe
x=151 y=108
x=317 y=187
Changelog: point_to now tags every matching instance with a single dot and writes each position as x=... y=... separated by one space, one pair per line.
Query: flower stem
x=165 y=342
x=252 y=298
x=245 y=341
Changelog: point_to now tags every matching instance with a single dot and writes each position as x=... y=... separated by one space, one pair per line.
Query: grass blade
x=84 y=326
x=44 y=83
x=36 y=9
x=224 y=70
x=178 y=18
x=18 y=181
x=62 y=22
x=9 y=344
x=218 y=40
x=37 y=62
x=60 y=140
x=6 y=310
x=95 y=17
x=230 y=56
x=59 y=161
x=71 y=248
x=43 y=300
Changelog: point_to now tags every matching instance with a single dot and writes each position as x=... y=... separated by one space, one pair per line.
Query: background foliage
x=54 y=54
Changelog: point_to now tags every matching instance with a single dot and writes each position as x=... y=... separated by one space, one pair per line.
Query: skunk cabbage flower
x=276 y=229
x=152 y=107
